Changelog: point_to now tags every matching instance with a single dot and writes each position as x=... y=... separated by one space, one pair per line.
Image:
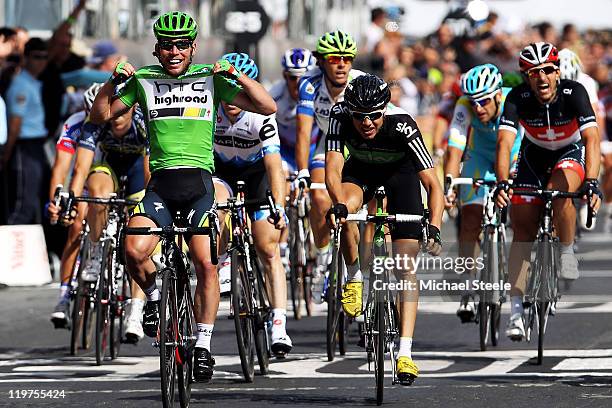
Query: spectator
x=61 y=60
x=375 y=32
x=24 y=155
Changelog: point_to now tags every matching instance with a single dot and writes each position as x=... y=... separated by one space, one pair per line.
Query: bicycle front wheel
x=168 y=335
x=379 y=346
x=242 y=307
x=187 y=340
x=333 y=306
x=103 y=304
x=117 y=312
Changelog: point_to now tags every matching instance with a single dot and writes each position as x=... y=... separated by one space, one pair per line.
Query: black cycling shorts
x=188 y=190
x=254 y=176
x=402 y=186
x=536 y=164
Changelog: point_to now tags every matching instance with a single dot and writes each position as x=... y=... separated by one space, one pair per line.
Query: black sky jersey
x=399 y=139
x=551 y=126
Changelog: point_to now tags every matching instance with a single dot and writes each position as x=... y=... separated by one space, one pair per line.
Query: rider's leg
x=320 y=204
x=224 y=266
x=100 y=185
x=267 y=240
x=564 y=218
x=350 y=232
x=471 y=217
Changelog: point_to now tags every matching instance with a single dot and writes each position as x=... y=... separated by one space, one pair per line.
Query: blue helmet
x=243 y=63
x=297 y=61
x=480 y=81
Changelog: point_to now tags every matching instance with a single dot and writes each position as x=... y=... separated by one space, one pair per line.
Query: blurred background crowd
x=81 y=41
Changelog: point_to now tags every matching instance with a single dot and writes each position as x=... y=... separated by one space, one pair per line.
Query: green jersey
x=180 y=113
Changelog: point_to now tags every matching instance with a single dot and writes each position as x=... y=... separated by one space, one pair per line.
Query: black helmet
x=367 y=93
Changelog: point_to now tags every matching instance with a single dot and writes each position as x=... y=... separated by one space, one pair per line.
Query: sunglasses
x=361 y=116
x=335 y=59
x=481 y=102
x=547 y=70
x=181 y=45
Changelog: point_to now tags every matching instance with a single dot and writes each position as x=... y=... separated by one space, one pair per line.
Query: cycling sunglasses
x=547 y=70
x=181 y=45
x=335 y=59
x=361 y=116
x=481 y=102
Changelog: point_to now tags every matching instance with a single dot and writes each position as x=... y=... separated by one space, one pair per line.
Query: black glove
x=339 y=211
x=434 y=242
x=503 y=185
x=591 y=185
x=434 y=233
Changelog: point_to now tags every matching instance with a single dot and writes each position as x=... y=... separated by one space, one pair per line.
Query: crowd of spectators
x=425 y=71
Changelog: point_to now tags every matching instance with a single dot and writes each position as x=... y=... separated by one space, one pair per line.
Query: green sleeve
x=225 y=89
x=129 y=93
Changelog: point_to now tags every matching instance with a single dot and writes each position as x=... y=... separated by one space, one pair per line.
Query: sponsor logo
x=460 y=117
x=406 y=129
x=586 y=118
x=158 y=206
x=267 y=130
x=309 y=88
x=567 y=91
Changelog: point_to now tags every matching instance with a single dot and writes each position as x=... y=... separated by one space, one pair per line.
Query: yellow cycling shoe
x=352 y=298
x=406 y=370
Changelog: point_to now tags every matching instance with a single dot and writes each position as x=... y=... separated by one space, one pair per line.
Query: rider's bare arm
x=302 y=142
x=334 y=162
x=435 y=201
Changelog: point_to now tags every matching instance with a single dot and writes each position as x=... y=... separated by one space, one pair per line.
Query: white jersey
x=247 y=141
x=286 y=109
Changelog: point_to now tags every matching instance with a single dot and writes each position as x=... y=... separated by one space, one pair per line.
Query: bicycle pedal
x=407 y=381
x=61 y=324
x=155 y=344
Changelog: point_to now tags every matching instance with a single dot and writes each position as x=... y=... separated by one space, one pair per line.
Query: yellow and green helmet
x=337 y=42
x=175 y=24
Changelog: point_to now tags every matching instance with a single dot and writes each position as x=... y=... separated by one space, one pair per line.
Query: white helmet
x=569 y=64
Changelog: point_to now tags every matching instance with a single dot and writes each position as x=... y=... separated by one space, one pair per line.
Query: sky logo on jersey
x=405 y=129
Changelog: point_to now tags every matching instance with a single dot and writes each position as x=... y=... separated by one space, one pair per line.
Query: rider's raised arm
x=253 y=97
x=104 y=107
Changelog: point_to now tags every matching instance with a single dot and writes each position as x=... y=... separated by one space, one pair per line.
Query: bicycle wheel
x=243 y=315
x=294 y=275
x=489 y=250
x=103 y=304
x=89 y=315
x=343 y=321
x=547 y=291
x=502 y=268
x=379 y=346
x=484 y=321
x=187 y=340
x=168 y=335
x=79 y=308
x=119 y=297
x=262 y=316
x=333 y=306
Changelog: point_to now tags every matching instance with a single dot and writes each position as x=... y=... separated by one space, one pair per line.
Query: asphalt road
x=577 y=370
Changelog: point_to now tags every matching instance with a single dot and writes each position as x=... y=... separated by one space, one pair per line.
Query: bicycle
x=176 y=336
x=542 y=291
x=488 y=315
x=249 y=297
x=107 y=295
x=381 y=315
x=302 y=250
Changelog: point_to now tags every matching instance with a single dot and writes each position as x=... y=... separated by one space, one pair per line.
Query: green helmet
x=175 y=24
x=336 y=42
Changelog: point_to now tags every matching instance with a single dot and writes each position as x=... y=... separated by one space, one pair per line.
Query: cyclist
x=247 y=148
x=296 y=63
x=179 y=100
x=473 y=137
x=104 y=154
x=386 y=149
x=317 y=94
x=560 y=150
x=64 y=153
